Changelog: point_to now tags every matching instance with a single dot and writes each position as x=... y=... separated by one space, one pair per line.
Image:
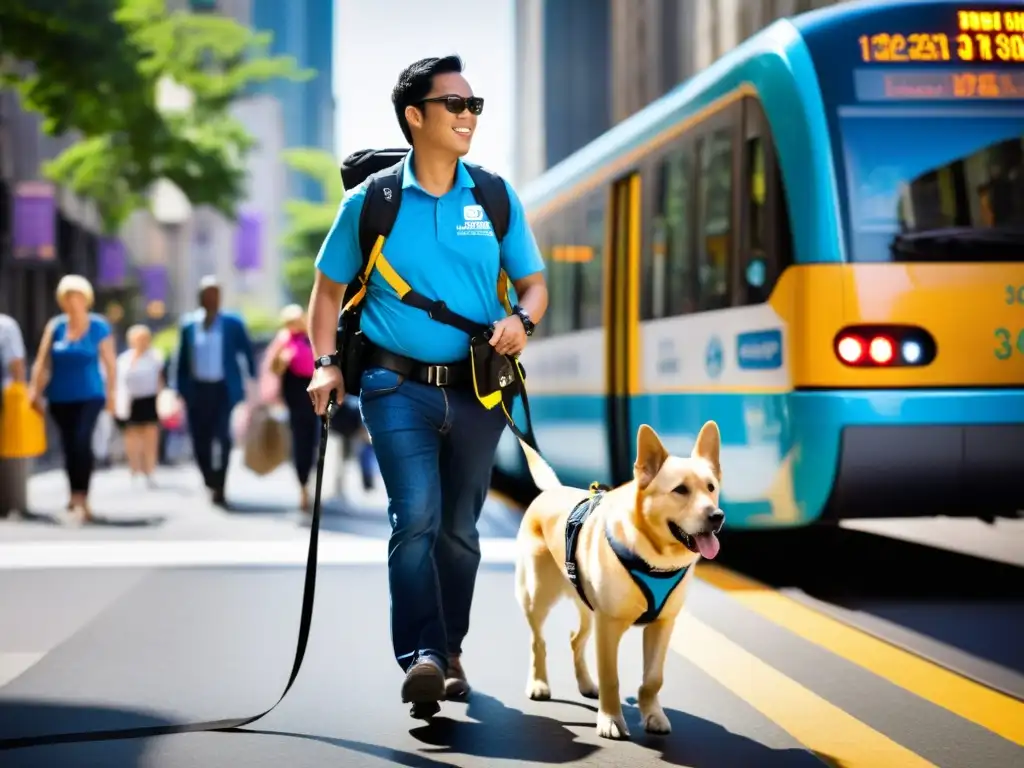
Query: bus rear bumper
x=920 y=453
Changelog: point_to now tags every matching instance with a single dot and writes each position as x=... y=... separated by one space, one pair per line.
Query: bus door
x=622 y=316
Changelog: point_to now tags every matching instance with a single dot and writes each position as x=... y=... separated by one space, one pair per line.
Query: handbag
x=22 y=427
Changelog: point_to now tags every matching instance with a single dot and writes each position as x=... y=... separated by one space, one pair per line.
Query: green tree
x=309 y=222
x=95 y=66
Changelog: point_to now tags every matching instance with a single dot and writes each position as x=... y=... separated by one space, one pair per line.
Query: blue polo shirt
x=438 y=247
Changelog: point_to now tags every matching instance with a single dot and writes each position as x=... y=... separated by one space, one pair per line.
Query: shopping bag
x=169 y=410
x=267 y=439
x=22 y=427
x=102 y=435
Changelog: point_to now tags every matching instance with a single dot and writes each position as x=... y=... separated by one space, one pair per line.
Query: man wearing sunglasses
x=435 y=443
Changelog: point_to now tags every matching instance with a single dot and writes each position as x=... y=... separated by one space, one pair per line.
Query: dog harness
x=655 y=584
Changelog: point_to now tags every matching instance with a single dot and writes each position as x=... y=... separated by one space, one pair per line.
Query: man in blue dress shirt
x=209 y=378
x=435 y=443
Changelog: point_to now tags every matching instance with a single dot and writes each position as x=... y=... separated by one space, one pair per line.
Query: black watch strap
x=325 y=360
x=528 y=324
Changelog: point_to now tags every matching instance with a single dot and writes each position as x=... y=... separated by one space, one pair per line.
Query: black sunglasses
x=456 y=104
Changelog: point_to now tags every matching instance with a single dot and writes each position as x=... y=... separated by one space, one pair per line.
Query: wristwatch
x=324 y=360
x=528 y=324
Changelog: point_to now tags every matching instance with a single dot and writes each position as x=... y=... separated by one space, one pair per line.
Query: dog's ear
x=708 y=447
x=650 y=455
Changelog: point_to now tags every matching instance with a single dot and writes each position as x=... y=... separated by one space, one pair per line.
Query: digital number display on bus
x=993 y=37
x=937 y=85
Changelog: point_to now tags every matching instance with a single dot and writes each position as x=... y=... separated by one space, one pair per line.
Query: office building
x=584 y=65
x=303 y=29
x=562 y=80
x=45 y=231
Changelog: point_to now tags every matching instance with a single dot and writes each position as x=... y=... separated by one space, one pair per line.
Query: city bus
x=817 y=242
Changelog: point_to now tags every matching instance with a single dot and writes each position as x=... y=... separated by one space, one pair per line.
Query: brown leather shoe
x=456 y=686
x=424 y=682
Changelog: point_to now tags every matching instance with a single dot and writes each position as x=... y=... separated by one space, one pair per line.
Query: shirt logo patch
x=474 y=223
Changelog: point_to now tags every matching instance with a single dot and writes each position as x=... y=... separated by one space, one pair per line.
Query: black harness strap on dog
x=573 y=528
x=230 y=724
x=656 y=585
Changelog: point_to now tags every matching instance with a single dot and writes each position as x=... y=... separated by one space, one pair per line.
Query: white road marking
x=163 y=554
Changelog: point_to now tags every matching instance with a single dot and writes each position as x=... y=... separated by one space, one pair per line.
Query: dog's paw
x=656 y=721
x=588 y=688
x=538 y=690
x=609 y=727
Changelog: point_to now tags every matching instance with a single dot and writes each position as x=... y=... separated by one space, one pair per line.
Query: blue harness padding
x=656 y=585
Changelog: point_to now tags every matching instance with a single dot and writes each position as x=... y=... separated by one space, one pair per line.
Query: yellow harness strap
x=379 y=262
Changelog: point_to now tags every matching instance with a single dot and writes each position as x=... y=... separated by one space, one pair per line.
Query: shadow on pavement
x=25 y=718
x=700 y=743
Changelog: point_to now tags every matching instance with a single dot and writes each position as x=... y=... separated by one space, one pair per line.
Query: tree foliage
x=308 y=222
x=94 y=70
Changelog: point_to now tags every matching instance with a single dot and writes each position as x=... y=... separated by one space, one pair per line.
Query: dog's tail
x=543 y=475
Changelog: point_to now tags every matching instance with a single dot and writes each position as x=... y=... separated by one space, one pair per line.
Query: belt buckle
x=437 y=375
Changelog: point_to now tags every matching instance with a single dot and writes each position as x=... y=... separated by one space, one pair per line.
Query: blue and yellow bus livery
x=817 y=242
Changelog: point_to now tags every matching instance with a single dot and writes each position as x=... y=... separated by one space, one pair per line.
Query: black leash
x=230 y=724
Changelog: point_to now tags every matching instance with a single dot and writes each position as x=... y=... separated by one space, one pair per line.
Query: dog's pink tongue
x=708 y=545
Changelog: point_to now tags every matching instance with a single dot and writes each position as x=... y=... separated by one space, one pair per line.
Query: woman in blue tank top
x=67 y=376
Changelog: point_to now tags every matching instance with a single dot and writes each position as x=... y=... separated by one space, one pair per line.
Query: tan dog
x=665 y=519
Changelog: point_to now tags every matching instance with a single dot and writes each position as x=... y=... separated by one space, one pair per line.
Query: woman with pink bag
x=288 y=367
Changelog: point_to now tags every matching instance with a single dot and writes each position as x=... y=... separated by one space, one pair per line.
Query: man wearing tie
x=209 y=379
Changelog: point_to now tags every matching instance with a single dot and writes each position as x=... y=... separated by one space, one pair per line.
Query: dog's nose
x=716 y=517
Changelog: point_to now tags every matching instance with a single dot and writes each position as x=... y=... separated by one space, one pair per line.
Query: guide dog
x=627 y=548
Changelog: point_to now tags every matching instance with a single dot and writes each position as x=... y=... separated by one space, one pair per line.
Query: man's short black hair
x=415 y=83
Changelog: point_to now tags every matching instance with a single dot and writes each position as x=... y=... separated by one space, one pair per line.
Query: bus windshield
x=925 y=104
x=933 y=184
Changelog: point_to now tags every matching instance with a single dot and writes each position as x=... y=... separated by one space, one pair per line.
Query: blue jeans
x=435 y=449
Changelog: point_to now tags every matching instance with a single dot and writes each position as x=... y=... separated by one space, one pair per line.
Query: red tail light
x=884 y=346
x=850 y=349
x=881 y=350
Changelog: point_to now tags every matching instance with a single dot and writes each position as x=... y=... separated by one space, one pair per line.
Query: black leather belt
x=456 y=375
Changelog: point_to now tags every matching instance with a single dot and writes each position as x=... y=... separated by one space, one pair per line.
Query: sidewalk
x=263 y=509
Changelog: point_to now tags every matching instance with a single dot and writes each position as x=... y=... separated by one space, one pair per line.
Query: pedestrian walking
x=139 y=380
x=209 y=379
x=67 y=379
x=434 y=440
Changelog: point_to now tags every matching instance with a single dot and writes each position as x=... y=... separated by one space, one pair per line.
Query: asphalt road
x=175 y=612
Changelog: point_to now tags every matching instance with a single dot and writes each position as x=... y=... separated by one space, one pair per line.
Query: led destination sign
x=976 y=37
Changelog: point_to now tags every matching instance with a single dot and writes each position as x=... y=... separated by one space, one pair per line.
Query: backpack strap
x=492 y=195
x=380 y=207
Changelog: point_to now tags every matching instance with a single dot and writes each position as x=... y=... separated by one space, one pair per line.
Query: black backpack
x=382 y=170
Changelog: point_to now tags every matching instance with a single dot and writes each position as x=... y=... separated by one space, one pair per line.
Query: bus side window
x=714 y=242
x=766 y=248
x=676 y=280
x=562 y=316
x=591 y=262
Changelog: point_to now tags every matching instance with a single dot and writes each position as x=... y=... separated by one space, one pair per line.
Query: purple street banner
x=248 y=236
x=111 y=262
x=35 y=220
x=153 y=282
